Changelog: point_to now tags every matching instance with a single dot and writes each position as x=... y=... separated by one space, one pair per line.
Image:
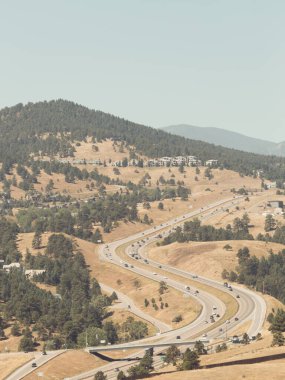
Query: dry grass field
x=67 y=364
x=10 y=344
x=274 y=370
x=106 y=151
x=10 y=362
x=223 y=179
x=209 y=258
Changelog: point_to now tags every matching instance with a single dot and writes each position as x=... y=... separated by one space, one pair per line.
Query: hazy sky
x=158 y=62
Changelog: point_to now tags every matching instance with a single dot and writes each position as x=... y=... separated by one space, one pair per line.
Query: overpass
x=131 y=346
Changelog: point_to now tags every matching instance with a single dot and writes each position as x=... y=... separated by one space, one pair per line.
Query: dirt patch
x=67 y=364
x=10 y=362
x=209 y=258
x=124 y=281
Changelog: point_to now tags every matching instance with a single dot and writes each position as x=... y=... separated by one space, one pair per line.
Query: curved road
x=251 y=306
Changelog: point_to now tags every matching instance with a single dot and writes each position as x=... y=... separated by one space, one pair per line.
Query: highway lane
x=27 y=368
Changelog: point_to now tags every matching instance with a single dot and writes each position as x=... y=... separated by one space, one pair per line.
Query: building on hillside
x=8 y=267
x=211 y=163
x=276 y=204
x=193 y=161
x=152 y=162
x=133 y=162
x=30 y=273
x=270 y=185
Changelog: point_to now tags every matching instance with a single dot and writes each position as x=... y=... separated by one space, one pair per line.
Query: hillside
x=228 y=139
x=48 y=128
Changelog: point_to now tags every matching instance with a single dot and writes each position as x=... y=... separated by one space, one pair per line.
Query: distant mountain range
x=227 y=139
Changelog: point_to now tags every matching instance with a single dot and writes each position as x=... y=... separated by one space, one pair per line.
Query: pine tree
x=190 y=360
x=172 y=354
x=278 y=339
x=37 y=240
x=270 y=223
x=100 y=376
x=278 y=322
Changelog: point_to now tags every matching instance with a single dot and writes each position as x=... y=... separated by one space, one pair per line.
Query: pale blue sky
x=158 y=62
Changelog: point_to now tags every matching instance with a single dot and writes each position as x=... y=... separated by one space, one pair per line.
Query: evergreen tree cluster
x=195 y=231
x=265 y=274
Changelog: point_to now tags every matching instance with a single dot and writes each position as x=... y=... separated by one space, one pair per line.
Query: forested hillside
x=49 y=127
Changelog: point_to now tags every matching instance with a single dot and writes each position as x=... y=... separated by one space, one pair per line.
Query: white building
x=8 y=267
x=30 y=273
x=211 y=163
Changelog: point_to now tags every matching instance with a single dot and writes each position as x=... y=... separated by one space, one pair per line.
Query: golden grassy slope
x=209 y=258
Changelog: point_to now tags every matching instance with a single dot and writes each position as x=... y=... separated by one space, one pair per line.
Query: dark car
x=34 y=364
x=178 y=337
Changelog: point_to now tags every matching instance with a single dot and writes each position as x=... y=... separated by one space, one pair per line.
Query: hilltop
x=48 y=128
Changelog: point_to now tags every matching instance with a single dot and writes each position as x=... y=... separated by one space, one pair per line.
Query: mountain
x=49 y=128
x=228 y=139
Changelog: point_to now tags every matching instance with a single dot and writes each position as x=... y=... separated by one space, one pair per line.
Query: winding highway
x=250 y=306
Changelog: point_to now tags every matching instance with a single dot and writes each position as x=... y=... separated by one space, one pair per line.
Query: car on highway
x=155 y=274
x=238 y=296
x=236 y=318
x=204 y=335
x=34 y=365
x=178 y=337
